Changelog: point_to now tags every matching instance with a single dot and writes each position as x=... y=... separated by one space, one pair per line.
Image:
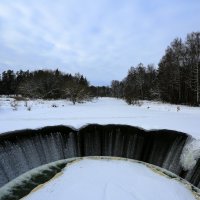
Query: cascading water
x=22 y=151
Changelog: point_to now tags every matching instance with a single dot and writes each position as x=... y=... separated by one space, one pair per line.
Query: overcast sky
x=101 y=39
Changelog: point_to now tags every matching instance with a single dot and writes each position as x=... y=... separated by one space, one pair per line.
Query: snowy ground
x=110 y=180
x=151 y=115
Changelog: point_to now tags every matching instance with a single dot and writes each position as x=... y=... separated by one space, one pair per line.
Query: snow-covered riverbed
x=150 y=115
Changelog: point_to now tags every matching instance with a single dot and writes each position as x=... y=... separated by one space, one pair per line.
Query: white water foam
x=190 y=154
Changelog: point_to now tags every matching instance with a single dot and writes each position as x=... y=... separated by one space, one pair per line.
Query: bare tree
x=117 y=89
x=77 y=90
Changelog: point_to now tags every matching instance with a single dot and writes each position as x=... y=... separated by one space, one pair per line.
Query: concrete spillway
x=24 y=150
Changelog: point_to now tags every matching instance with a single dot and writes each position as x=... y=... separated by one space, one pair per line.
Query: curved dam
x=21 y=151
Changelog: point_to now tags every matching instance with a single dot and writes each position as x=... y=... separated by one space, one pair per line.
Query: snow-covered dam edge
x=28 y=181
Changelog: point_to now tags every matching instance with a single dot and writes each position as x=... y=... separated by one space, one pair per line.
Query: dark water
x=23 y=150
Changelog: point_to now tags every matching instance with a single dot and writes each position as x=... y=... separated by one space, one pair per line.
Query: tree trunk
x=197 y=83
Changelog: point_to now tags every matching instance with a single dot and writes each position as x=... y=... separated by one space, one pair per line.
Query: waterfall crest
x=21 y=151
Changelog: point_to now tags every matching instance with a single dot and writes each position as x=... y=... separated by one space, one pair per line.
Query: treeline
x=176 y=80
x=48 y=84
x=178 y=71
x=140 y=83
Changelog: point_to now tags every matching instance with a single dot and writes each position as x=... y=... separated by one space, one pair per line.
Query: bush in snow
x=77 y=90
x=19 y=98
x=54 y=105
x=14 y=104
x=26 y=104
x=29 y=108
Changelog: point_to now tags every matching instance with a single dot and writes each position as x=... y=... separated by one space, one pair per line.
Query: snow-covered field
x=150 y=115
x=110 y=180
